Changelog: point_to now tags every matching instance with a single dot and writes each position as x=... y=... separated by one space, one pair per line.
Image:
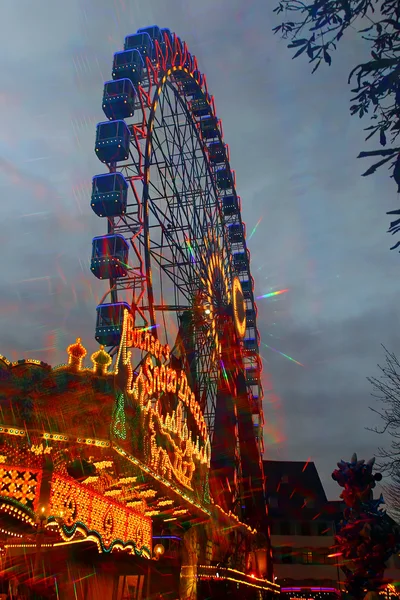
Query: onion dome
x=101 y=361
x=76 y=354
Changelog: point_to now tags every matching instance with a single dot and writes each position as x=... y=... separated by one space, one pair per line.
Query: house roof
x=294 y=490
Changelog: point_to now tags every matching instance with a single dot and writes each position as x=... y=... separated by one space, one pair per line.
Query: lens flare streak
x=282 y=354
x=254 y=228
x=271 y=294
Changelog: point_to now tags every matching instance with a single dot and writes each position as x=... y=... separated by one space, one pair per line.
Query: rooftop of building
x=294 y=490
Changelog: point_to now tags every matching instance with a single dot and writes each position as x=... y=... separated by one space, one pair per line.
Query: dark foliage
x=376 y=83
x=366 y=537
x=386 y=389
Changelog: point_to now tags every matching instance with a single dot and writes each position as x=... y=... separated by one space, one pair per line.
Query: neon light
x=143 y=340
x=239 y=308
x=155 y=378
x=119 y=428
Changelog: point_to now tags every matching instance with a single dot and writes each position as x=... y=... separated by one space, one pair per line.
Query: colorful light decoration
x=249 y=580
x=239 y=308
x=76 y=509
x=215 y=272
x=170 y=427
x=21 y=484
x=154 y=379
x=111 y=520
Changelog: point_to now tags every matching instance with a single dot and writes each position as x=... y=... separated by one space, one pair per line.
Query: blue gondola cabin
x=191 y=87
x=142 y=42
x=109 y=323
x=250 y=317
x=252 y=376
x=200 y=107
x=153 y=31
x=240 y=262
x=230 y=206
x=128 y=64
x=247 y=289
x=109 y=256
x=209 y=127
x=224 y=178
x=109 y=195
x=119 y=99
x=236 y=233
x=112 y=141
x=250 y=344
x=166 y=33
x=216 y=152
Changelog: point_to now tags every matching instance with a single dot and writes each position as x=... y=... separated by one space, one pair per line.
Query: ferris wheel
x=174 y=253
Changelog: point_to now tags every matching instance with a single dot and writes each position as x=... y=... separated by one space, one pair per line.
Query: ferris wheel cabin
x=247 y=289
x=216 y=152
x=119 y=99
x=109 y=323
x=240 y=262
x=128 y=64
x=154 y=32
x=109 y=195
x=251 y=315
x=109 y=256
x=200 y=107
x=191 y=85
x=236 y=233
x=141 y=42
x=209 y=127
x=112 y=141
x=230 y=206
x=224 y=178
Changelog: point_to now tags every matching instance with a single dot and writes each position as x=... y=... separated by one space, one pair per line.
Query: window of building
x=319 y=556
x=323 y=528
x=275 y=528
x=285 y=528
x=273 y=501
x=328 y=558
x=287 y=557
x=305 y=528
x=307 y=557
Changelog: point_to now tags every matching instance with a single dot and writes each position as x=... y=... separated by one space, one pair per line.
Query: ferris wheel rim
x=172 y=56
x=164 y=77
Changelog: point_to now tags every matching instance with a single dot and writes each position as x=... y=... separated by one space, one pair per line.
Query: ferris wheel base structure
x=174 y=254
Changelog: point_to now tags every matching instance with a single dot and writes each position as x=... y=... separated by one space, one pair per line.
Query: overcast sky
x=293 y=145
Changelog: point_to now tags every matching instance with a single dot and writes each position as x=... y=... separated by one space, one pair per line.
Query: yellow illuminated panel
x=21 y=484
x=239 y=308
x=75 y=503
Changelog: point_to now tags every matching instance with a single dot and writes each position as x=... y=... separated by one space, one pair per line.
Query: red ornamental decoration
x=366 y=537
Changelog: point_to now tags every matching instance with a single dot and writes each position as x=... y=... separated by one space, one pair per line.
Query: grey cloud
x=293 y=145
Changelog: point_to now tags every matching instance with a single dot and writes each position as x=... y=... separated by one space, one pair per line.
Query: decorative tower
x=76 y=354
x=101 y=361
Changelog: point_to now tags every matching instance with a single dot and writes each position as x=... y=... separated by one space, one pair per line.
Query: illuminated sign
x=157 y=378
x=143 y=339
x=175 y=440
